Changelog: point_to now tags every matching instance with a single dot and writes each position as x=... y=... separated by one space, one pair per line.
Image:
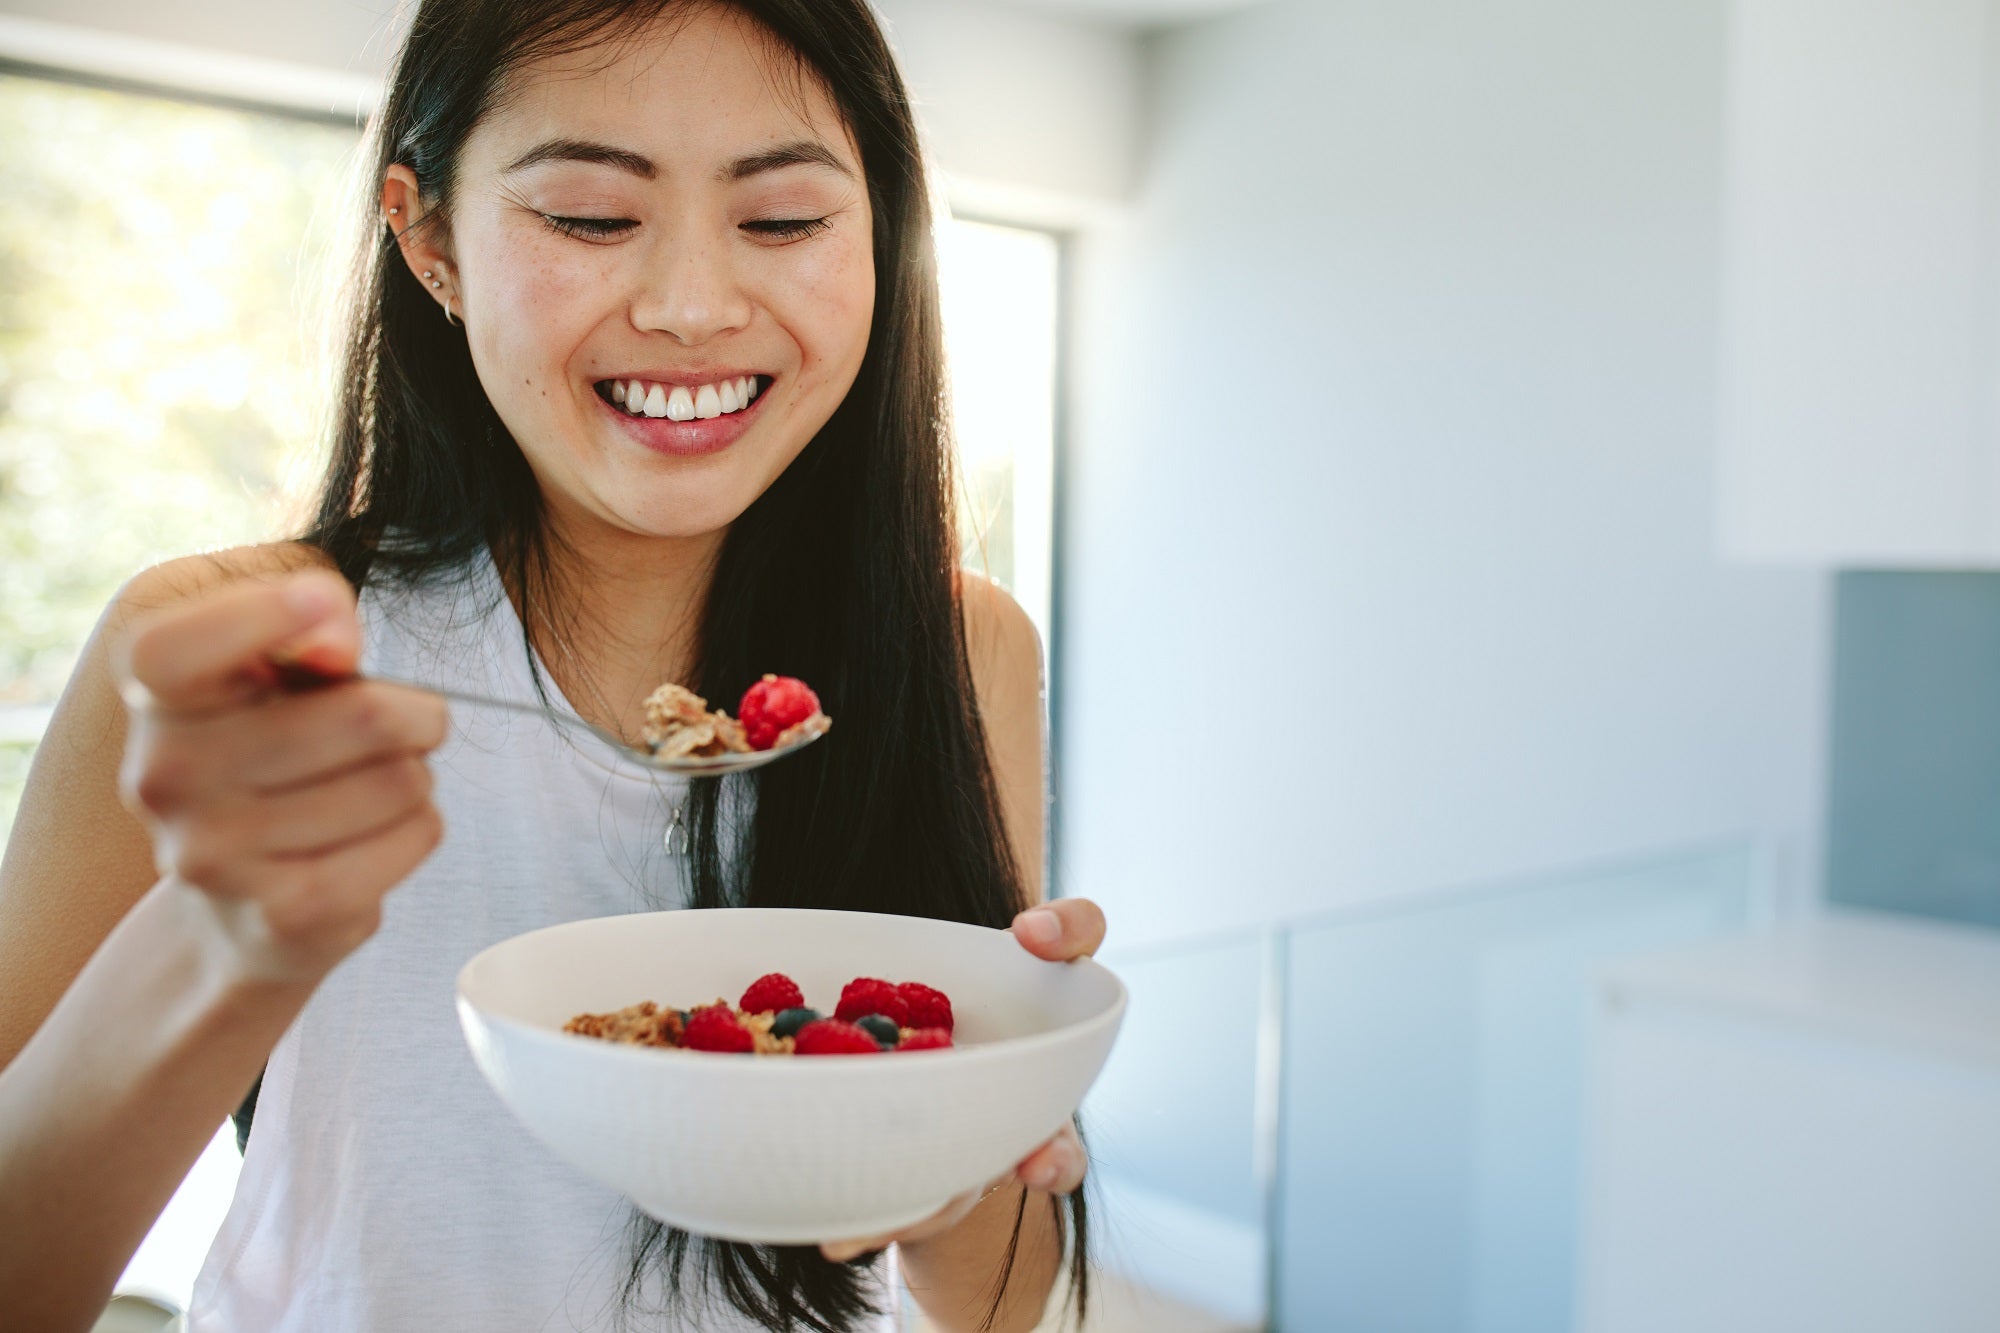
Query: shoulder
x=1004 y=657
x=1003 y=648
x=192 y=577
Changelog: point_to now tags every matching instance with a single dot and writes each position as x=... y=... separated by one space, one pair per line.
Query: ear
x=424 y=248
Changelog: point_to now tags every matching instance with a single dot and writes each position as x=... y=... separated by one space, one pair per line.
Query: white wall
x=1026 y=113
x=350 y=36
x=1388 y=557
x=1044 y=107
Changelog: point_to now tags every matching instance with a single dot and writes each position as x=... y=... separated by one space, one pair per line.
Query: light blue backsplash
x=1913 y=810
x=1427 y=1136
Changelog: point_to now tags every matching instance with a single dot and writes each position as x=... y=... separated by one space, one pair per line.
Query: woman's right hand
x=292 y=813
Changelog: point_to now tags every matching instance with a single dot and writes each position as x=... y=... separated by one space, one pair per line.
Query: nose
x=690 y=290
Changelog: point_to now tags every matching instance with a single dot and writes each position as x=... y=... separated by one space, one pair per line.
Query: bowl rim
x=1085 y=1029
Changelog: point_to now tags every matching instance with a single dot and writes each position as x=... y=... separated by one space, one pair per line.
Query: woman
x=643 y=384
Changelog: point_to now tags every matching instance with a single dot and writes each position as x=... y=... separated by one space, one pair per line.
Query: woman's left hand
x=1059 y=931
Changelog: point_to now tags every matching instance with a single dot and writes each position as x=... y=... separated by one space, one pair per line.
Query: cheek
x=840 y=298
x=529 y=307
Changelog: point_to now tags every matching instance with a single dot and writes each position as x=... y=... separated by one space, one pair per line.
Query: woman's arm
x=77 y=861
x=127 y=1041
x=952 y=1272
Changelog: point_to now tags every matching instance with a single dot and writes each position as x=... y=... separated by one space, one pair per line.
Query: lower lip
x=685 y=439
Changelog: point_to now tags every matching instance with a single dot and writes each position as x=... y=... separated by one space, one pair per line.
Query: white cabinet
x=1859 y=388
x=1797 y=1129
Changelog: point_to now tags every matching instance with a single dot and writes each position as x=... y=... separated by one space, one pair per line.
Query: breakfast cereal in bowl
x=973 y=1053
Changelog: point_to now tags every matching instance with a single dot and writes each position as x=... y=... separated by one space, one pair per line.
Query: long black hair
x=843 y=572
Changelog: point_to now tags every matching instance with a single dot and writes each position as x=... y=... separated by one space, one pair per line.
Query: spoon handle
x=295 y=677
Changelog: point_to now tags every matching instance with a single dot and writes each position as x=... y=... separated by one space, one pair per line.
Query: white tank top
x=385 y=1187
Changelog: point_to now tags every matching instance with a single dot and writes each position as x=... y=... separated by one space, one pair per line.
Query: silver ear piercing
x=449 y=318
x=394 y=211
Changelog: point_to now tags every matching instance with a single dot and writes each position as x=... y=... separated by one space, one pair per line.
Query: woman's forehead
x=698 y=88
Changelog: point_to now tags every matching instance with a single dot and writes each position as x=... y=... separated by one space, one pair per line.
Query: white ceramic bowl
x=786 y=1150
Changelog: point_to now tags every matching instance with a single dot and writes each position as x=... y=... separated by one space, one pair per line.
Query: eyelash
x=603 y=229
x=589 y=229
x=787 y=229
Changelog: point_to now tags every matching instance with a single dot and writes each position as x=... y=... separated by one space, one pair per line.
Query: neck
x=617 y=613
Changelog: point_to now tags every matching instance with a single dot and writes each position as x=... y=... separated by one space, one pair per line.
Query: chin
x=685 y=517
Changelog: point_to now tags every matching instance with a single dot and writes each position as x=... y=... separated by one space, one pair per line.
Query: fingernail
x=1041 y=926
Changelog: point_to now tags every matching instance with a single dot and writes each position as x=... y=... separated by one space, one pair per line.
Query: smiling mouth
x=683 y=402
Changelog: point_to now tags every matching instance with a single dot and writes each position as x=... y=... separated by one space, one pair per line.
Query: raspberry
x=770 y=993
x=866 y=995
x=773 y=704
x=927 y=1039
x=830 y=1036
x=928 y=1008
x=717 y=1029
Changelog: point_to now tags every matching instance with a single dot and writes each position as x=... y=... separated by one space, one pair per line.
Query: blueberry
x=789 y=1021
x=882 y=1029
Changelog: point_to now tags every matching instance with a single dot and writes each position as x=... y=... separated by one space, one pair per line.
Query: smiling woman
x=216 y=871
x=589 y=243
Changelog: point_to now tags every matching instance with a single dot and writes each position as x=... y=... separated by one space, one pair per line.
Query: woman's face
x=644 y=236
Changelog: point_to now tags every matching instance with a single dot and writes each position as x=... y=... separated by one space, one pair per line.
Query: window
x=159 y=387
x=998 y=286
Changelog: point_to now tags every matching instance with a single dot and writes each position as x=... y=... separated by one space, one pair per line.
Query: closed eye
x=786 y=229
x=589 y=229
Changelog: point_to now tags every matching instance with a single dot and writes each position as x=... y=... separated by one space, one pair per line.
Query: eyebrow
x=797 y=153
x=582 y=150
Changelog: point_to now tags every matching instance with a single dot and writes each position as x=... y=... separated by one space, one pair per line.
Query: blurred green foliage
x=161 y=349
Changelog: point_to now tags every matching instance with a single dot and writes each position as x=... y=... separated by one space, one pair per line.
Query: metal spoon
x=707 y=766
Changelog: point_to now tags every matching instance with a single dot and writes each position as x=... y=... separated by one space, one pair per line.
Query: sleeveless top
x=384 y=1186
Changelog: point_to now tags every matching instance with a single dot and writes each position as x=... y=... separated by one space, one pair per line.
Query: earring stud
x=394 y=211
x=427 y=273
x=435 y=285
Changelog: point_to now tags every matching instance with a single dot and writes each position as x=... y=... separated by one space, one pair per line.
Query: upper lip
x=691 y=379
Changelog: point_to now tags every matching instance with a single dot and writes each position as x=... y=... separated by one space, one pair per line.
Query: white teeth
x=682 y=403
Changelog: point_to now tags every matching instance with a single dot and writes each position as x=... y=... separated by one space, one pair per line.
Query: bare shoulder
x=1004 y=648
x=1005 y=658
